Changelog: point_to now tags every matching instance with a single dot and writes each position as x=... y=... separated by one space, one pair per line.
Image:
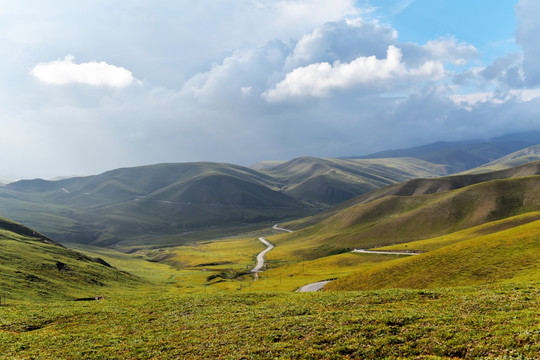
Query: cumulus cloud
x=318 y=80
x=527 y=37
x=344 y=40
x=66 y=71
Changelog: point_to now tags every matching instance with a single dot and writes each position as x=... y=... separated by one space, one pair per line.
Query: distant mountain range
x=473 y=229
x=464 y=155
x=164 y=203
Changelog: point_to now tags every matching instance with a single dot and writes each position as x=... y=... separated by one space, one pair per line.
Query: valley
x=175 y=253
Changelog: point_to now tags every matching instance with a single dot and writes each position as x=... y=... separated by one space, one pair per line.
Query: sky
x=91 y=85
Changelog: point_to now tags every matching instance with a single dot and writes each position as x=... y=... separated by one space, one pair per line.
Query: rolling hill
x=331 y=181
x=477 y=258
x=464 y=155
x=34 y=268
x=422 y=187
x=529 y=154
x=404 y=213
x=157 y=200
x=170 y=204
x=164 y=203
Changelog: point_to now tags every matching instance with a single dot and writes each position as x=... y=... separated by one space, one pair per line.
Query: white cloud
x=343 y=40
x=318 y=80
x=469 y=101
x=449 y=50
x=66 y=71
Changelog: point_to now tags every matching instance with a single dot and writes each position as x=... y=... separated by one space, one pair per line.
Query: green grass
x=401 y=219
x=471 y=233
x=331 y=181
x=474 y=322
x=527 y=155
x=496 y=257
x=32 y=269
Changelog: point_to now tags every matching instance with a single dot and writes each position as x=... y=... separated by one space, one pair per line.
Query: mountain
x=157 y=200
x=165 y=203
x=523 y=156
x=470 y=230
x=34 y=267
x=331 y=181
x=421 y=187
x=415 y=210
x=463 y=155
x=502 y=251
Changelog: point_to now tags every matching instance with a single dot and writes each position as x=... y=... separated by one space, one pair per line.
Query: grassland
x=35 y=268
x=473 y=293
x=476 y=322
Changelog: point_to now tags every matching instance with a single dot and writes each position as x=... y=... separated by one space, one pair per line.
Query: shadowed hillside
x=160 y=204
x=520 y=157
x=332 y=181
x=422 y=187
x=34 y=267
x=166 y=199
x=463 y=155
x=399 y=219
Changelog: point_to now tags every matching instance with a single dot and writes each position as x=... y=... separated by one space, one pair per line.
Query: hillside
x=34 y=267
x=157 y=200
x=463 y=155
x=499 y=255
x=399 y=219
x=529 y=154
x=422 y=187
x=332 y=181
x=166 y=204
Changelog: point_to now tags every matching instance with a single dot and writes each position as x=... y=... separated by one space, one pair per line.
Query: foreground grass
x=488 y=321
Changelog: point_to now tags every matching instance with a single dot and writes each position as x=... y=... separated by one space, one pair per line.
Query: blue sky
x=489 y=25
x=93 y=85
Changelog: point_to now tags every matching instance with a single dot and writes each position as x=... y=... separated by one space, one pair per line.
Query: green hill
x=161 y=204
x=149 y=201
x=421 y=187
x=34 y=267
x=332 y=181
x=399 y=219
x=509 y=254
x=529 y=154
x=463 y=155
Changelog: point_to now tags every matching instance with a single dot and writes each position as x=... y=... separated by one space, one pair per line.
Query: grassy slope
x=420 y=187
x=332 y=181
x=475 y=322
x=463 y=155
x=33 y=267
x=507 y=254
x=517 y=158
x=399 y=219
x=161 y=199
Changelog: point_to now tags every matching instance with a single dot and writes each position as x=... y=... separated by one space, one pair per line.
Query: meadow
x=495 y=321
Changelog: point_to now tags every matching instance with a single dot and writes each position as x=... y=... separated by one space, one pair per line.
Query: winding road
x=313 y=286
x=260 y=257
x=385 y=252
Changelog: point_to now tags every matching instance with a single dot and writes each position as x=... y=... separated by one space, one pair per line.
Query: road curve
x=260 y=257
x=313 y=286
x=385 y=252
x=276 y=227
